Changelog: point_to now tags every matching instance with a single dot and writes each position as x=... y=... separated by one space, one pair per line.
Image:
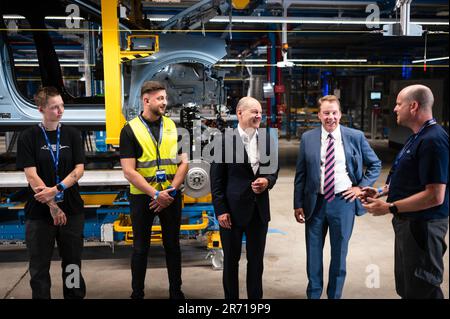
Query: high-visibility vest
x=147 y=164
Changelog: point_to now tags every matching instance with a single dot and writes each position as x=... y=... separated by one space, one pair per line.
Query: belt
x=336 y=195
x=401 y=216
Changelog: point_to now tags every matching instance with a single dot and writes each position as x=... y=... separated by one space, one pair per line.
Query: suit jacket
x=357 y=154
x=231 y=183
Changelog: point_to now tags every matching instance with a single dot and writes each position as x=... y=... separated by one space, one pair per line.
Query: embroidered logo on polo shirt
x=45 y=147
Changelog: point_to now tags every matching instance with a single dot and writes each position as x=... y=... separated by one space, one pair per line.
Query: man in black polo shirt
x=417 y=189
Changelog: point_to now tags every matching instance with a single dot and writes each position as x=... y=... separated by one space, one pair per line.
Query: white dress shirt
x=341 y=180
x=251 y=147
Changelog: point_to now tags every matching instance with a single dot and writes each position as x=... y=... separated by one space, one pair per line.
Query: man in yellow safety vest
x=149 y=156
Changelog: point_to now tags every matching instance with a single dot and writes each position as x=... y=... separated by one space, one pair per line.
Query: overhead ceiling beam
x=302 y=20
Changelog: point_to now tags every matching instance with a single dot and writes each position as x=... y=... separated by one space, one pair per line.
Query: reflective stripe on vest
x=146 y=165
x=153 y=163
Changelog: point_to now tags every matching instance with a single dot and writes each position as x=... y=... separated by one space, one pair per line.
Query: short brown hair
x=151 y=86
x=43 y=93
x=329 y=98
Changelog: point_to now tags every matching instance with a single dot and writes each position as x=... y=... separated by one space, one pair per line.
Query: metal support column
x=273 y=62
x=113 y=80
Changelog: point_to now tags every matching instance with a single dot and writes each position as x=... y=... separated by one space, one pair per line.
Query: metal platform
x=90 y=178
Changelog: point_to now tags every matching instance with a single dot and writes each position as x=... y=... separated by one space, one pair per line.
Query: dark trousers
x=142 y=220
x=419 y=250
x=255 y=233
x=40 y=240
x=338 y=216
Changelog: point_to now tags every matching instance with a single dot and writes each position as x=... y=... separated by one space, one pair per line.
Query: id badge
x=59 y=197
x=161 y=176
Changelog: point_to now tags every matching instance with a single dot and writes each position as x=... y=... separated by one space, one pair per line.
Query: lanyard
x=55 y=155
x=157 y=143
x=409 y=143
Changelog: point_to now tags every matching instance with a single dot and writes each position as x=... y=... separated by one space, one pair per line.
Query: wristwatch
x=155 y=197
x=173 y=191
x=393 y=209
x=61 y=187
x=380 y=191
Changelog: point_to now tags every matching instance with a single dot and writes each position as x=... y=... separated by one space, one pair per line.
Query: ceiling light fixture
x=19 y=17
x=243 y=60
x=63 y=18
x=60 y=60
x=243 y=64
x=328 y=60
x=430 y=60
x=56 y=50
x=62 y=65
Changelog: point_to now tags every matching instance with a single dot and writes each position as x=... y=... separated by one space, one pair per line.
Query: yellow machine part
x=112 y=58
x=154 y=238
x=214 y=240
x=111 y=66
x=98 y=199
x=240 y=4
x=129 y=54
x=191 y=200
x=151 y=37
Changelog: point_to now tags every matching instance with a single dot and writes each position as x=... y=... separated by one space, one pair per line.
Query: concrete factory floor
x=107 y=274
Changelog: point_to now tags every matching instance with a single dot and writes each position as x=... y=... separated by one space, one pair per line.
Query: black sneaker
x=176 y=295
x=137 y=295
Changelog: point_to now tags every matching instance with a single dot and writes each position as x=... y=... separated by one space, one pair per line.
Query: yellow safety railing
x=123 y=225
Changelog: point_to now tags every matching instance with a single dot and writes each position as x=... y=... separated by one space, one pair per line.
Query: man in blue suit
x=328 y=179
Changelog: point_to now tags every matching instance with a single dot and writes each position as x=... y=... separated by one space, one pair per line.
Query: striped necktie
x=328 y=183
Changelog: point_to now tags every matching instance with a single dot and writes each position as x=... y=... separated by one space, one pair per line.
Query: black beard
x=156 y=112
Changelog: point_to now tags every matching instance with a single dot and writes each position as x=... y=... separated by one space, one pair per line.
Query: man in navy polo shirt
x=417 y=190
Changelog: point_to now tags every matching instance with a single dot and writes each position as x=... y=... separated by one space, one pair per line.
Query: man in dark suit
x=328 y=179
x=239 y=184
